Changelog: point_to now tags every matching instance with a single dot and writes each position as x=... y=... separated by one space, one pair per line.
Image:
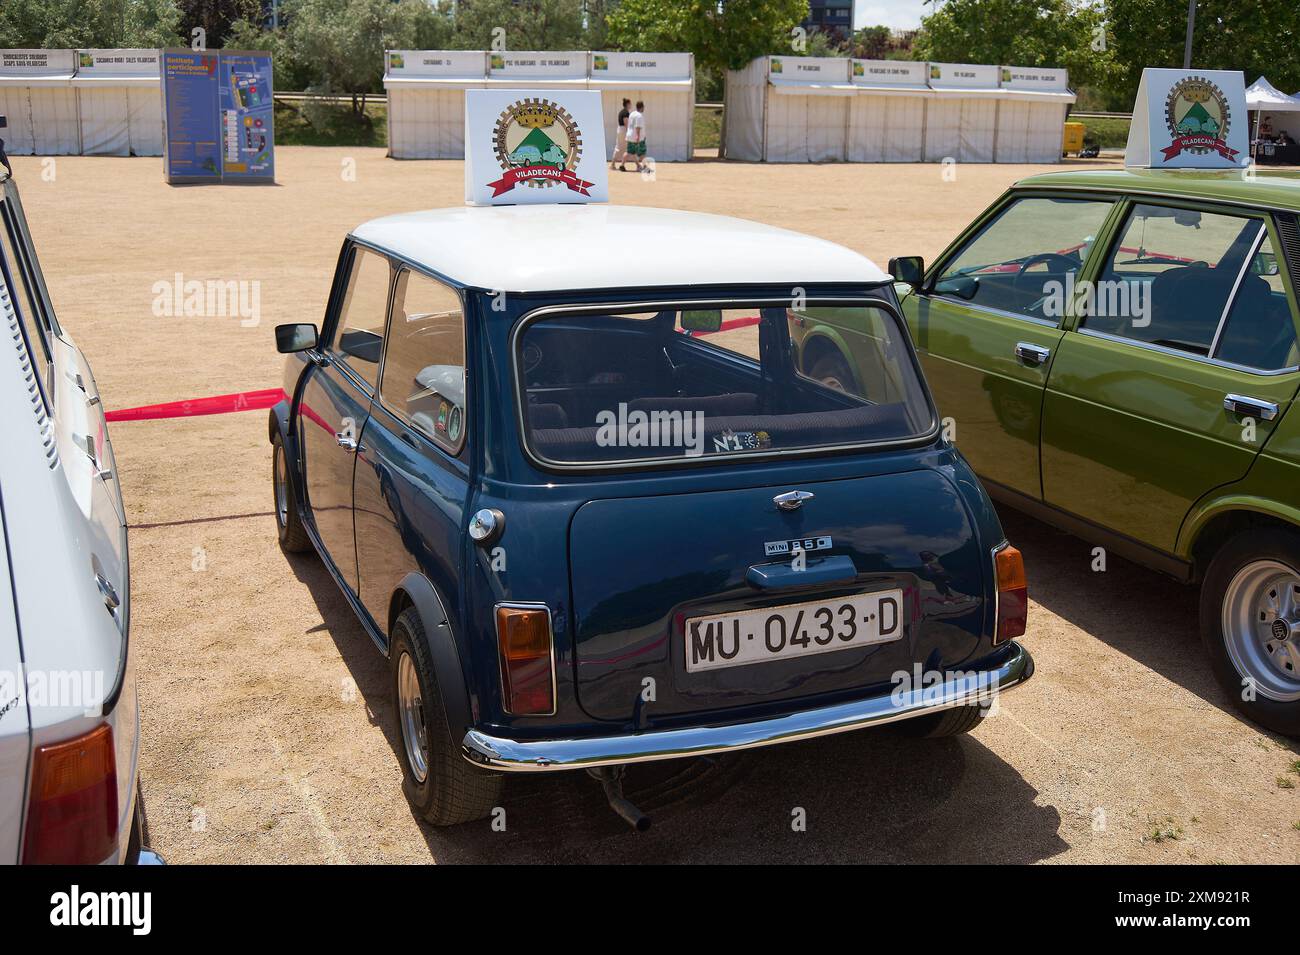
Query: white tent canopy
x=37 y=97
x=119 y=94
x=1263 y=95
x=806 y=109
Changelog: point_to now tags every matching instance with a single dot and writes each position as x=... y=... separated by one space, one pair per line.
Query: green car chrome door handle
x=1032 y=354
x=1251 y=407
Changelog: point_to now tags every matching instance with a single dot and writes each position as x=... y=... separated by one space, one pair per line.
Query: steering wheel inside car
x=1052 y=260
x=1055 y=262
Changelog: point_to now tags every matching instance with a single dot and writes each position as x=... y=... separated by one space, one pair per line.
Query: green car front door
x=988 y=325
x=1183 y=361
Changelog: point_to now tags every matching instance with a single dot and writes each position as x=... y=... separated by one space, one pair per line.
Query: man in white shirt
x=636 y=138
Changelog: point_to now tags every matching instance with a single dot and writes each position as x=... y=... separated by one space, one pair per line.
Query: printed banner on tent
x=218 y=111
x=449 y=64
x=537 y=65
x=1189 y=120
x=534 y=146
x=640 y=66
x=1034 y=78
x=94 y=64
x=963 y=76
x=809 y=69
x=889 y=73
x=37 y=62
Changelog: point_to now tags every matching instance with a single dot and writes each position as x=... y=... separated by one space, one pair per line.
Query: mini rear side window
x=690 y=383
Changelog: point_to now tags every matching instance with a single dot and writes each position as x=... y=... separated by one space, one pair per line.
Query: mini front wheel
x=293 y=536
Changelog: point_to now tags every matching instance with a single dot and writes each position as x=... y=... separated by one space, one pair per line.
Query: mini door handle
x=1250 y=407
x=1032 y=354
x=111 y=600
x=348 y=443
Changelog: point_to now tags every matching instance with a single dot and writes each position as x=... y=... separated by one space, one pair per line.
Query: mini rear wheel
x=441 y=785
x=1250 y=625
x=954 y=722
x=293 y=536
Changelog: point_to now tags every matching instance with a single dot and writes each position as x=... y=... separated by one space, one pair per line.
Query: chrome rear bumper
x=530 y=756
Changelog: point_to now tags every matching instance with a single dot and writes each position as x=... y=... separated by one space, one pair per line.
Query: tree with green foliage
x=1258 y=38
x=216 y=18
x=340 y=43
x=723 y=36
x=527 y=25
x=870 y=43
x=89 y=24
x=1046 y=33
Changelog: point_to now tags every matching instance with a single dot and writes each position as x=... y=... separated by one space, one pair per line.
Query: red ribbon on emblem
x=1199 y=142
x=513 y=177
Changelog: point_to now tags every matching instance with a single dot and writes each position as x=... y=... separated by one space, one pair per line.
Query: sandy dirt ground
x=266 y=713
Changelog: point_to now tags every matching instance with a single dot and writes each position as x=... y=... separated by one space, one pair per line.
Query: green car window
x=1170 y=276
x=1260 y=331
x=1024 y=260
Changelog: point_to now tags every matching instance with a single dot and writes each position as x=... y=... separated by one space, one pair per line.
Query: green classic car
x=1115 y=352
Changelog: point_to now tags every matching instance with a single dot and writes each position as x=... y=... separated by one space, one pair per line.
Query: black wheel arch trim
x=441 y=644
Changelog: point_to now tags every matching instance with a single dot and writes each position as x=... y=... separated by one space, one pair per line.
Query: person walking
x=620 y=142
x=636 y=134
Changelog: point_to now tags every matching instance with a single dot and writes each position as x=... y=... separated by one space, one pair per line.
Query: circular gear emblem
x=538 y=145
x=1198 y=118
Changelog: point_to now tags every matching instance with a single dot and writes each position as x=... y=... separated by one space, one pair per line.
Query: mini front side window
x=361 y=319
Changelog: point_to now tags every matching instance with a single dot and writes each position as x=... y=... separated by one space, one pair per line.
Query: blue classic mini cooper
x=567 y=470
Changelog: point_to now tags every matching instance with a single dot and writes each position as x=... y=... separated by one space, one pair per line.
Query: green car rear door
x=1188 y=309
x=989 y=329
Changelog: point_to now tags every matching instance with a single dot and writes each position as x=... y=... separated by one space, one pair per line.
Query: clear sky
x=898 y=14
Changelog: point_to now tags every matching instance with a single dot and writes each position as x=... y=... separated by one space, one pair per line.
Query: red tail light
x=1013 y=593
x=72 y=815
x=527 y=670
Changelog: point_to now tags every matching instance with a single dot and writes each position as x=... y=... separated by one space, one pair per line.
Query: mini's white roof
x=545 y=248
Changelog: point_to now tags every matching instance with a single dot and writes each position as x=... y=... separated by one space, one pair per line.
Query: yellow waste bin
x=1073 y=141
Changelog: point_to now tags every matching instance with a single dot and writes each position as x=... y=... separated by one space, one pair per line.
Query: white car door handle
x=348 y=443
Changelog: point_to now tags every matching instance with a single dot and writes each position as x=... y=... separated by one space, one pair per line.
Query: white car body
x=64 y=608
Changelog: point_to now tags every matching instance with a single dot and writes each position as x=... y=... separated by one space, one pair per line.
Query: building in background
x=834 y=17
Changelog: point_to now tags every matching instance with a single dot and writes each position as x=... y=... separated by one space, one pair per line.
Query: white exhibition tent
x=71 y=102
x=426 y=94
x=1031 y=114
x=120 y=97
x=1274 y=110
x=426 y=100
x=814 y=109
x=665 y=82
x=37 y=98
x=887 y=115
x=788 y=109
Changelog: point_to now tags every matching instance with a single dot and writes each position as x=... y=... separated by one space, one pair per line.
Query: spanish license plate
x=793 y=630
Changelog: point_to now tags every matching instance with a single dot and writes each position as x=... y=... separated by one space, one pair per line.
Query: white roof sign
x=527 y=147
x=1189 y=120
